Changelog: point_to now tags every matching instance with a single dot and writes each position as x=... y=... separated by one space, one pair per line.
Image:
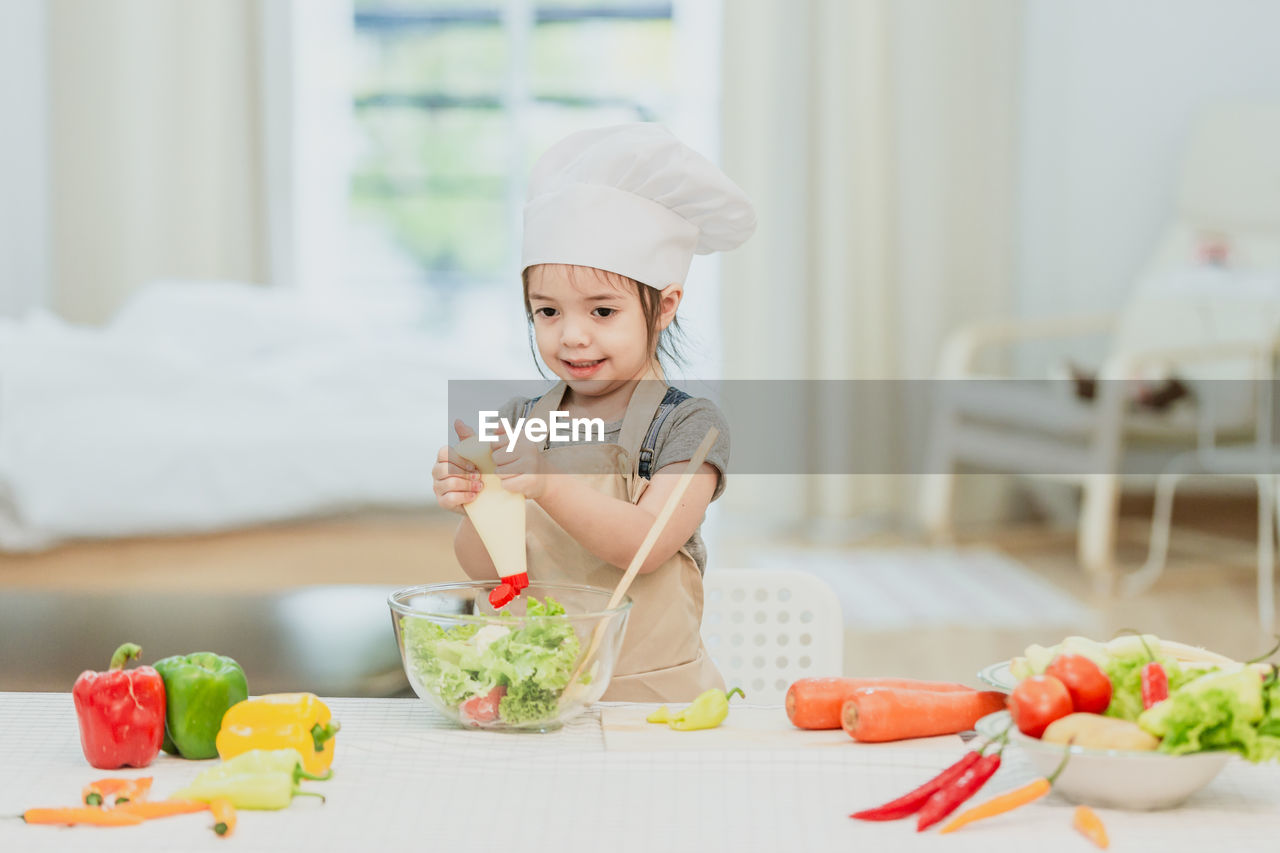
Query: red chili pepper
x=910 y=803
x=943 y=802
x=121 y=713
x=1155 y=684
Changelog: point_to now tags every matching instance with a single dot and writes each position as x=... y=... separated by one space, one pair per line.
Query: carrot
x=1006 y=802
x=1087 y=822
x=224 y=816
x=80 y=814
x=815 y=703
x=876 y=714
x=148 y=809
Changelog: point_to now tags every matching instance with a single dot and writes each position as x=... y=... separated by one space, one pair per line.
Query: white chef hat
x=634 y=200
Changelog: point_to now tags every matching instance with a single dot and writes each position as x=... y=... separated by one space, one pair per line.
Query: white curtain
x=156 y=152
x=24 y=250
x=876 y=138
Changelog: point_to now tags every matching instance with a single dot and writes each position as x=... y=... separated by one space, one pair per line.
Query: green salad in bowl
x=520 y=668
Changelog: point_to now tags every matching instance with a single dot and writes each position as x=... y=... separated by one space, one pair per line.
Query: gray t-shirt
x=681 y=433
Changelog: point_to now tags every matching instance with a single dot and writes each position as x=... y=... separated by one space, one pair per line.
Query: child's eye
x=605 y=312
x=544 y=311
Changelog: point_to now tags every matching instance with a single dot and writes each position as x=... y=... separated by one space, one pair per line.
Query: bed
x=211 y=407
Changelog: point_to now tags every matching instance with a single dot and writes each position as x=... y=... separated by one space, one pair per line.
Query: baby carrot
x=1030 y=792
x=1001 y=804
x=148 y=809
x=815 y=703
x=876 y=714
x=80 y=814
x=1087 y=822
x=224 y=816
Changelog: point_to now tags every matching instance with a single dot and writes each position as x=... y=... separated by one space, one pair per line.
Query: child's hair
x=661 y=342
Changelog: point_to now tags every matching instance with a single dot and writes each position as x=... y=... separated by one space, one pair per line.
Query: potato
x=1095 y=731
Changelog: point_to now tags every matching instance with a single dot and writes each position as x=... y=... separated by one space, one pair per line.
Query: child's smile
x=580 y=369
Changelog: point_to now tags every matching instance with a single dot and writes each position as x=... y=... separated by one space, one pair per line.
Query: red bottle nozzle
x=502 y=595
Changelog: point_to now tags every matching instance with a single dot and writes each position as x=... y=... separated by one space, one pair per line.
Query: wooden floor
x=385 y=550
x=1206 y=596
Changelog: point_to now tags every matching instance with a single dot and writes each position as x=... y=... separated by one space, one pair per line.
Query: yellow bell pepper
x=277 y=721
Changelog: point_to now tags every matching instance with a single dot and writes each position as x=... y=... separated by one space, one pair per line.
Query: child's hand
x=456 y=481
x=523 y=469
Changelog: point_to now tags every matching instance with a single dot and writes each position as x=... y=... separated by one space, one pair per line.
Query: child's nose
x=573 y=332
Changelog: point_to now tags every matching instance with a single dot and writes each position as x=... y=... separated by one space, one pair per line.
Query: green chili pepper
x=258 y=779
x=199 y=688
x=706 y=712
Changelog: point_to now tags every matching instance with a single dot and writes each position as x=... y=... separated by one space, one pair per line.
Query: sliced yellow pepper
x=705 y=712
x=277 y=721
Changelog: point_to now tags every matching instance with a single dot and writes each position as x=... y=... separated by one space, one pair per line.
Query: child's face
x=589 y=326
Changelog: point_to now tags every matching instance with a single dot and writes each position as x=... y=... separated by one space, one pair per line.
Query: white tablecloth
x=406 y=780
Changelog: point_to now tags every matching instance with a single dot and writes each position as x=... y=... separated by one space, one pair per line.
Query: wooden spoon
x=642 y=553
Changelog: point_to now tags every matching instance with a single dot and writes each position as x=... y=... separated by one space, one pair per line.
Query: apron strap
x=643 y=408
x=673 y=398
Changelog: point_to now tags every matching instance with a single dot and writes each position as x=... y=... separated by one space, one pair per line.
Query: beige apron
x=662 y=658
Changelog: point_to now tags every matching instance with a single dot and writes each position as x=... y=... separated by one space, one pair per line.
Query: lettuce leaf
x=1218 y=711
x=533 y=660
x=1125 y=672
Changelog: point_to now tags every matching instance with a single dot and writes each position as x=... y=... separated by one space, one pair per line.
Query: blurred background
x=247 y=243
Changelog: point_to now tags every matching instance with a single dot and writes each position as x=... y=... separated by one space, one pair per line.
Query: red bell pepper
x=121 y=713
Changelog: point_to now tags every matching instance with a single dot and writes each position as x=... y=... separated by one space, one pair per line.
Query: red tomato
x=1038 y=701
x=1088 y=685
x=483 y=709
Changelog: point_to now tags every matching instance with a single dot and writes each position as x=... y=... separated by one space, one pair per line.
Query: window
x=454 y=100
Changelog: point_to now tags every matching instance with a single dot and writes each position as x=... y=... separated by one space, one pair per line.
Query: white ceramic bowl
x=1113 y=778
x=998 y=676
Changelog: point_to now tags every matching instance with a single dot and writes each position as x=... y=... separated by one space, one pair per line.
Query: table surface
x=404 y=775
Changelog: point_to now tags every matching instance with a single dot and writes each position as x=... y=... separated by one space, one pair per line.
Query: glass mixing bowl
x=520 y=668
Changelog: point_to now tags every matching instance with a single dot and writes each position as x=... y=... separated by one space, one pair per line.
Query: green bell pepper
x=199 y=688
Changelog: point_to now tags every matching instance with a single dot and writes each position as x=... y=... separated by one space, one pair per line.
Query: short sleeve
x=685 y=428
x=513 y=409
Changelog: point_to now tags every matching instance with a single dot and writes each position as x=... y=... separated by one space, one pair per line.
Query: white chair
x=1257 y=461
x=765 y=629
x=1174 y=321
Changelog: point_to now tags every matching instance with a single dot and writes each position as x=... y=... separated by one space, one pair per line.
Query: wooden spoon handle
x=673 y=500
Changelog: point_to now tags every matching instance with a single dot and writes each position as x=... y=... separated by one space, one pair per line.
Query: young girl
x=613 y=219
